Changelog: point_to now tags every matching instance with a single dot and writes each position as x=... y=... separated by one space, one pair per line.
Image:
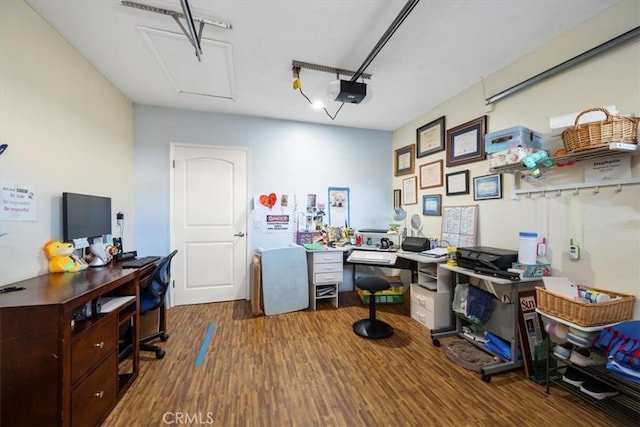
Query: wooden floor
x=308 y=368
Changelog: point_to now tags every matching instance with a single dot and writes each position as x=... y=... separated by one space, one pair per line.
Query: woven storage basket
x=600 y=134
x=586 y=313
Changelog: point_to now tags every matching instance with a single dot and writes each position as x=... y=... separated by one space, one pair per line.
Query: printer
x=486 y=257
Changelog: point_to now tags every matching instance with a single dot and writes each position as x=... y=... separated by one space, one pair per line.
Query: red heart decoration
x=268 y=201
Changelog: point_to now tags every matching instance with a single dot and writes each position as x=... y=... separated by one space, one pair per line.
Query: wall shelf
x=576 y=187
x=611 y=150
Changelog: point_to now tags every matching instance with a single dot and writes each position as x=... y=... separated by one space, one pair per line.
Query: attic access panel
x=213 y=76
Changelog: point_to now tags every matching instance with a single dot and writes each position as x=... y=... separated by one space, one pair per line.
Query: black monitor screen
x=85 y=216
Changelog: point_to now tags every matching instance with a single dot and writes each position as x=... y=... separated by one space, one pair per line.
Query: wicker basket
x=619 y=308
x=600 y=134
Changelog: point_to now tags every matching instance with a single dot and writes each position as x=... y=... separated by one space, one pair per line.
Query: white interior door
x=209 y=224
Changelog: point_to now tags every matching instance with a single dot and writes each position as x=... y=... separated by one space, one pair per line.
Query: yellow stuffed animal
x=62 y=258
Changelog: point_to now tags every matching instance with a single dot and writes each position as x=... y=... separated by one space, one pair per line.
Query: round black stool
x=371 y=327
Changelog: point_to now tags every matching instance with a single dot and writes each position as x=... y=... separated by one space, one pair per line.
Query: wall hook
x=528 y=195
x=576 y=191
x=596 y=190
x=618 y=188
x=558 y=193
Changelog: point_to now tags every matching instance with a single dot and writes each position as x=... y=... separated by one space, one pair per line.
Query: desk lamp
x=401 y=215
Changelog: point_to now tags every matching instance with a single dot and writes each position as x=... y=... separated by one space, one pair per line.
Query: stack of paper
x=561 y=286
x=435 y=253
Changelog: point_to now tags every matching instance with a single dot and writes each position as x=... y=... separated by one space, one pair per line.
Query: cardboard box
x=518 y=136
x=534 y=270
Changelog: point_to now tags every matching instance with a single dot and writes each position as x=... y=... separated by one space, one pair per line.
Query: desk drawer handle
x=99 y=394
x=421 y=301
x=99 y=345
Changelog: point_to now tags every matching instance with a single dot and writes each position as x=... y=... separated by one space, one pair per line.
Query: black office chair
x=372 y=327
x=152 y=297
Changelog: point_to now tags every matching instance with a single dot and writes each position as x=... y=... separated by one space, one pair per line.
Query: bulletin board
x=460 y=225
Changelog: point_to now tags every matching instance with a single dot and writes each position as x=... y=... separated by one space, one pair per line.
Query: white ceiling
x=442 y=48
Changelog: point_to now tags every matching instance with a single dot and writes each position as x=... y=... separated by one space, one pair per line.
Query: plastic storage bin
x=518 y=136
x=510 y=156
x=527 y=250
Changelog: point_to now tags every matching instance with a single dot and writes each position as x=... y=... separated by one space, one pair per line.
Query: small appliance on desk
x=416 y=244
x=485 y=257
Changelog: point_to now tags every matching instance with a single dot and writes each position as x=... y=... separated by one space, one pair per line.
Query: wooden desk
x=58 y=372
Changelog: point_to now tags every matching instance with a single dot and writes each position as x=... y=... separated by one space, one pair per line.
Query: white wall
x=286 y=157
x=606 y=225
x=67 y=127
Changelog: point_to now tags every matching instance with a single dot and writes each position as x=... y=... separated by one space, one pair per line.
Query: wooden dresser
x=55 y=371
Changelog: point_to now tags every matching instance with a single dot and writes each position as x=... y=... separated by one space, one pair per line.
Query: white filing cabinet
x=431 y=296
x=325 y=275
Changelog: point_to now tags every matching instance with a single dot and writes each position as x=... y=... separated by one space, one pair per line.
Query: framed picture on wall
x=404 y=160
x=431 y=174
x=432 y=205
x=487 y=187
x=430 y=137
x=410 y=190
x=458 y=183
x=465 y=143
x=397 y=198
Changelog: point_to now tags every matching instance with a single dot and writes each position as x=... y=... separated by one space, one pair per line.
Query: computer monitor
x=85 y=216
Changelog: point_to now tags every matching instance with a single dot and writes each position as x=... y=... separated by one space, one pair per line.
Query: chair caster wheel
x=160 y=354
x=164 y=337
x=436 y=343
x=486 y=378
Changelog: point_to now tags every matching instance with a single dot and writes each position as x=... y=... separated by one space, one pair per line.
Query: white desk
x=430 y=291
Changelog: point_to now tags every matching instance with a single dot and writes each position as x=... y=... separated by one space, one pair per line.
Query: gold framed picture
x=404 y=161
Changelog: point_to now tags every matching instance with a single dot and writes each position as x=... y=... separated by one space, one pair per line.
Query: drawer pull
x=99 y=394
x=99 y=345
x=421 y=301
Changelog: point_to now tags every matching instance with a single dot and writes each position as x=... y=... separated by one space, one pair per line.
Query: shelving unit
x=613 y=149
x=431 y=296
x=126 y=343
x=625 y=406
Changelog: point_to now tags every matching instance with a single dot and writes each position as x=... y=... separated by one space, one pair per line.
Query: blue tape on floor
x=205 y=344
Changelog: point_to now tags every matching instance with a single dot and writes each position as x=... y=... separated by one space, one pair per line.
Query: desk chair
x=372 y=327
x=152 y=299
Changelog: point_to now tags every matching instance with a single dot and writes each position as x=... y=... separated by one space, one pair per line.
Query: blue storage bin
x=518 y=136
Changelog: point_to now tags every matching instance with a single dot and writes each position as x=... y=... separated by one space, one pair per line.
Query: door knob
x=240 y=234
